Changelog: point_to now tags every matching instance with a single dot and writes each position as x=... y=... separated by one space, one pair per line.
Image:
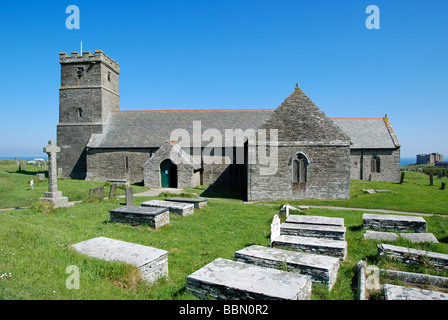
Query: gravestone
x=152 y=262
x=183 y=209
x=234 y=280
x=391 y=236
x=388 y=222
x=402 y=177
x=414 y=256
x=129 y=196
x=328 y=221
x=54 y=195
x=442 y=186
x=313 y=230
x=40 y=176
x=394 y=292
x=113 y=190
x=431 y=179
x=97 y=192
x=321 y=268
x=198 y=202
x=328 y=247
x=134 y=215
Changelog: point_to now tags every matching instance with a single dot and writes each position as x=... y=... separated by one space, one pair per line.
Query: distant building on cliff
x=429 y=158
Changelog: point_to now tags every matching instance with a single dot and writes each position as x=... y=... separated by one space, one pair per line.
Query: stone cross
x=51 y=150
x=54 y=195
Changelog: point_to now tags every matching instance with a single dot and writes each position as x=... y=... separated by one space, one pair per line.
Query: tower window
x=80 y=72
x=108 y=76
x=79 y=112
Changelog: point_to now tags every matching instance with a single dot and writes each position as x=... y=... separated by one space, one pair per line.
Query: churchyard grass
x=16 y=191
x=414 y=195
x=35 y=247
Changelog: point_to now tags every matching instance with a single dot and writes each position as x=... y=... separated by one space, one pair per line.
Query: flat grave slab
x=321 y=268
x=183 y=209
x=414 y=256
x=328 y=247
x=388 y=222
x=198 y=202
x=394 y=292
x=329 y=221
x=234 y=280
x=391 y=236
x=152 y=262
x=313 y=230
x=154 y=217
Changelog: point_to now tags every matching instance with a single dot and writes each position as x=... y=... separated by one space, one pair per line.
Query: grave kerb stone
x=323 y=269
x=233 y=280
x=152 y=262
x=134 y=215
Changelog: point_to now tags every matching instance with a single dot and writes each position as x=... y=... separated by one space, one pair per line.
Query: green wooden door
x=165 y=174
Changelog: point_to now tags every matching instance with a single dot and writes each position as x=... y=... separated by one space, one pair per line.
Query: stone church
x=315 y=156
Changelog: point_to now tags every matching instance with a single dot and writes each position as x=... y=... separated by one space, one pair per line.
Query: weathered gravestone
x=134 y=215
x=391 y=236
x=183 y=209
x=414 y=256
x=40 y=176
x=442 y=186
x=402 y=177
x=97 y=192
x=394 y=292
x=152 y=262
x=390 y=222
x=113 y=190
x=321 y=268
x=234 y=280
x=328 y=247
x=54 y=195
x=129 y=195
x=198 y=202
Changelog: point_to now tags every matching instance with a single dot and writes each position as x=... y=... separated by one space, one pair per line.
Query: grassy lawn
x=16 y=191
x=35 y=247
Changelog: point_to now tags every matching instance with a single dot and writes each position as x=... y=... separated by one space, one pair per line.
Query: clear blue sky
x=233 y=54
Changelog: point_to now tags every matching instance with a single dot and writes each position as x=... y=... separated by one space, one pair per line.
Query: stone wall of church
x=328 y=175
x=389 y=164
x=105 y=164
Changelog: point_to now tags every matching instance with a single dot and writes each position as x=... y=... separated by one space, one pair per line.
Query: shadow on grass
x=356 y=228
x=28 y=173
x=444 y=240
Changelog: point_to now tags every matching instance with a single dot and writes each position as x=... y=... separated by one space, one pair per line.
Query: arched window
x=299 y=171
x=375 y=164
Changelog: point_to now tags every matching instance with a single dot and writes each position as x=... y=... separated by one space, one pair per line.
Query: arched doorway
x=168 y=174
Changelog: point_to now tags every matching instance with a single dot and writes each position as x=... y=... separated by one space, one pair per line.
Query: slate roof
x=298 y=119
x=150 y=129
x=368 y=133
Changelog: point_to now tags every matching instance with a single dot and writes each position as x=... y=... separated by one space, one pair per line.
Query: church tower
x=88 y=93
